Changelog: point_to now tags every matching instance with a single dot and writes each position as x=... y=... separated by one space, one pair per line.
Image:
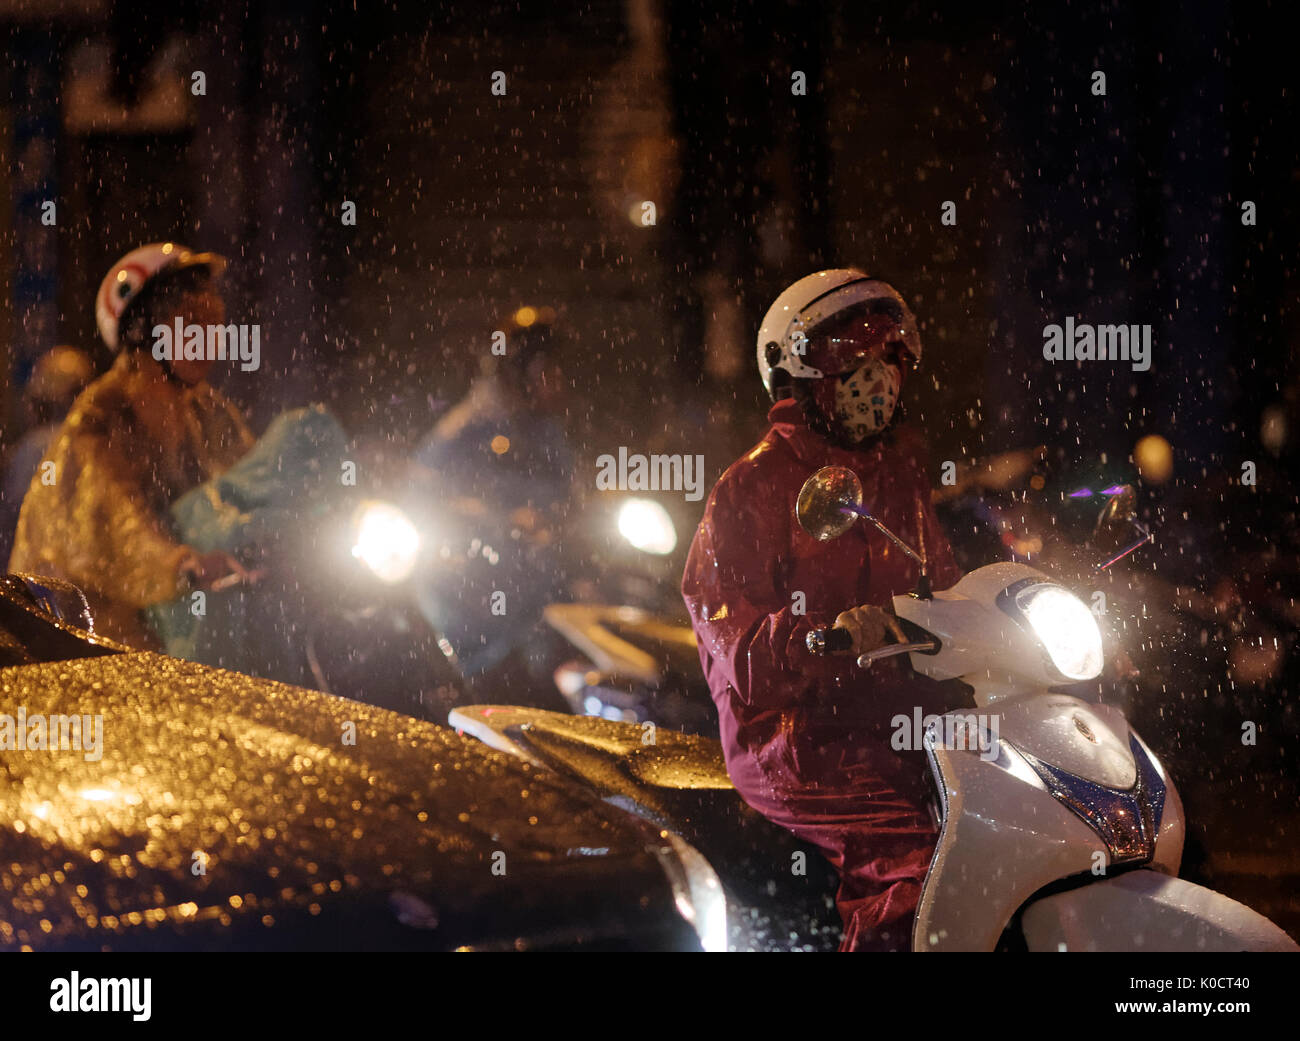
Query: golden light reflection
x=1155 y=459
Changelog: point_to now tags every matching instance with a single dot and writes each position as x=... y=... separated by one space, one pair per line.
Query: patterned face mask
x=865 y=398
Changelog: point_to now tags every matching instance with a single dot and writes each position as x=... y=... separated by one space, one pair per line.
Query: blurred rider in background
x=503 y=444
x=58 y=376
x=140 y=436
x=495 y=476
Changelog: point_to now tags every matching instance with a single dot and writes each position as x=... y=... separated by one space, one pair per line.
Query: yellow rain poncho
x=134 y=441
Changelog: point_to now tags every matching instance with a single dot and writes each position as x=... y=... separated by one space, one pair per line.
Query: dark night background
x=1117 y=209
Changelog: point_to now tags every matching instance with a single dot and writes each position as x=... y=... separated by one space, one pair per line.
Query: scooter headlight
x=1066 y=628
x=647 y=525
x=385 y=540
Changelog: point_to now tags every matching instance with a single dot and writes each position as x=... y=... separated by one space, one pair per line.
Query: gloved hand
x=213 y=569
x=868 y=625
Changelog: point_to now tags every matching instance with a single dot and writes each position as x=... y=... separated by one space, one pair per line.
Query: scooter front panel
x=1003 y=837
x=1013 y=823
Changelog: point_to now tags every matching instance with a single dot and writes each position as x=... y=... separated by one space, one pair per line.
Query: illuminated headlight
x=385 y=541
x=646 y=525
x=1066 y=628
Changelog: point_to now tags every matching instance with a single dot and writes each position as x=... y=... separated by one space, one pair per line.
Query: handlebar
x=233 y=579
x=829 y=641
x=840 y=641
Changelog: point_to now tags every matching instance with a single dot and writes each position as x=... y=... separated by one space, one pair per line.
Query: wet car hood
x=679 y=782
x=226 y=812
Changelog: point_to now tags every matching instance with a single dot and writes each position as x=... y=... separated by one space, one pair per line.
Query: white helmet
x=789 y=327
x=129 y=275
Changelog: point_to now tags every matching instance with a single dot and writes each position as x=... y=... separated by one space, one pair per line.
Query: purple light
x=1082 y=493
x=1114 y=489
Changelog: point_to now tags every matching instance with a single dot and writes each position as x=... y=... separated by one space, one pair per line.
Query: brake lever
x=892 y=650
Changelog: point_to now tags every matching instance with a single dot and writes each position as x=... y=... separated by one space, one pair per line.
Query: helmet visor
x=855 y=337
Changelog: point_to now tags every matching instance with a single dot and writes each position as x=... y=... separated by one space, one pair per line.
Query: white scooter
x=1051 y=810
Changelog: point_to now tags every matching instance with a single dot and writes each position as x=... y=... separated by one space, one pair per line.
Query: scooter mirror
x=1115 y=522
x=825 y=501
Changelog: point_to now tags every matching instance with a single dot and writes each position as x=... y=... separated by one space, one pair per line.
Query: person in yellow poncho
x=136 y=439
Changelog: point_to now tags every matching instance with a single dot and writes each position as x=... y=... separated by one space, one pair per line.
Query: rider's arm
x=743 y=618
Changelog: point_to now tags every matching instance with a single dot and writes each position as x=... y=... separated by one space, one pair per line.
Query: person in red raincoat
x=807 y=738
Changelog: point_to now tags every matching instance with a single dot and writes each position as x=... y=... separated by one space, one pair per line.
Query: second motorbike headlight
x=1066 y=628
x=647 y=525
x=385 y=541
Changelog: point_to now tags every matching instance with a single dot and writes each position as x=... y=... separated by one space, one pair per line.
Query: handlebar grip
x=829 y=641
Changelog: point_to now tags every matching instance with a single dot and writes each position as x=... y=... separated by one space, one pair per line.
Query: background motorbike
x=364 y=636
x=589 y=617
x=329 y=603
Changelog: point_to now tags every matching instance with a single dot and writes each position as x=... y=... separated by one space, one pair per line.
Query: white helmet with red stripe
x=129 y=276
x=788 y=339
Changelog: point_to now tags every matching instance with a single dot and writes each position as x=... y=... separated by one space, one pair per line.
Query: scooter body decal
x=1128 y=821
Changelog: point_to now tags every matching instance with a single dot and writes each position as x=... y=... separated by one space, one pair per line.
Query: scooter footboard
x=1143 y=910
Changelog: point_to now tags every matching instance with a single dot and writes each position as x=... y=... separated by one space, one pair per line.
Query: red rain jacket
x=807 y=739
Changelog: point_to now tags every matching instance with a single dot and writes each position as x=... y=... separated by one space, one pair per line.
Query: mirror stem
x=923 y=591
x=1125 y=552
x=886 y=532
